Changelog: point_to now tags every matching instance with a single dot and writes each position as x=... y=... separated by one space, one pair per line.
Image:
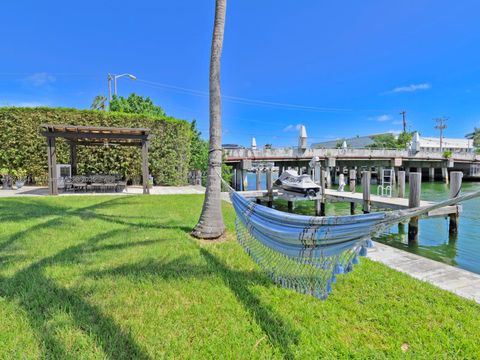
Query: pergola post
x=52 y=166
x=146 y=190
x=73 y=158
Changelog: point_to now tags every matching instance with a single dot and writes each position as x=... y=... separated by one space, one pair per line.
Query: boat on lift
x=290 y=181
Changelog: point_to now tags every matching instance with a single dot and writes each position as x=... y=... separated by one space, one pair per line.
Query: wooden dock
x=381 y=202
x=366 y=199
x=392 y=203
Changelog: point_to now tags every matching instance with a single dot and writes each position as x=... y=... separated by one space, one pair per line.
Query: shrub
x=23 y=147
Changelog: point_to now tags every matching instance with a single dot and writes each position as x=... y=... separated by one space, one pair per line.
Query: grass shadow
x=280 y=334
x=42 y=298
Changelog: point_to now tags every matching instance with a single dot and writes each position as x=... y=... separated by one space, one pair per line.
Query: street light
x=114 y=77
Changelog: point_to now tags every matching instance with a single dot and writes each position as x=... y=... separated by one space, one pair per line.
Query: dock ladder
x=385 y=188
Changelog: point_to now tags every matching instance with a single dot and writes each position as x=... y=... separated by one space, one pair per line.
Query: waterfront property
x=433 y=144
x=120 y=277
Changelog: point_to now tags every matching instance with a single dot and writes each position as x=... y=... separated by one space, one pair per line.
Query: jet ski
x=302 y=184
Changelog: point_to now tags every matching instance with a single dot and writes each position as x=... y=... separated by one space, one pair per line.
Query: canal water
x=434 y=241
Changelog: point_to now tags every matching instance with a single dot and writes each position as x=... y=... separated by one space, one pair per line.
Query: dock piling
x=415 y=181
x=270 y=187
x=455 y=187
x=401 y=184
x=258 y=184
x=352 y=178
x=366 y=179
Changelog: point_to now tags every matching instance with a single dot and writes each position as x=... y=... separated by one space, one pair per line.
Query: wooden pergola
x=92 y=136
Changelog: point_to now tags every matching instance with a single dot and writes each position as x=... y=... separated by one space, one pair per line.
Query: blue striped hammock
x=306 y=253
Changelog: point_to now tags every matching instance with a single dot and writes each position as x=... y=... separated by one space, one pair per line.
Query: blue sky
x=339 y=68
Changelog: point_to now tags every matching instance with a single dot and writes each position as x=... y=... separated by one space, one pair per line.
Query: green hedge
x=23 y=147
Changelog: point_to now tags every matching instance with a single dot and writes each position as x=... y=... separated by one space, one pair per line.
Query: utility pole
x=404 y=121
x=109 y=80
x=441 y=125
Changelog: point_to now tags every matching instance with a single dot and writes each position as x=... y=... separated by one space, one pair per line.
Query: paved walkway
x=458 y=281
x=131 y=190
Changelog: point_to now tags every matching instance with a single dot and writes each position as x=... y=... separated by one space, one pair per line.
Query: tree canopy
x=136 y=104
x=389 y=141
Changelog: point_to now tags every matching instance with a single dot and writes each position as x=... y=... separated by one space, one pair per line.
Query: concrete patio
x=131 y=190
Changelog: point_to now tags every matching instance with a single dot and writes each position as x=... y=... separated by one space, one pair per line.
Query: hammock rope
x=306 y=253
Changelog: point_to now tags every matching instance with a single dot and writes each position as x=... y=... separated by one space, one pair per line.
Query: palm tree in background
x=99 y=103
x=210 y=225
x=475 y=136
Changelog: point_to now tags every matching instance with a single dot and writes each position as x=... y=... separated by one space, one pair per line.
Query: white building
x=432 y=144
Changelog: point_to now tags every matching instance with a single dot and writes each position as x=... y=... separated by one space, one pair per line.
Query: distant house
x=432 y=144
x=358 y=142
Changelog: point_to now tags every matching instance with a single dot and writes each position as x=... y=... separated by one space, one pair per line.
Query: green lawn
x=119 y=277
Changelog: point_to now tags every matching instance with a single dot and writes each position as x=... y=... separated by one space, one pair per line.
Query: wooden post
x=52 y=166
x=329 y=178
x=352 y=177
x=238 y=178
x=245 y=179
x=394 y=177
x=323 y=179
x=352 y=180
x=455 y=187
x=258 y=183
x=317 y=171
x=73 y=158
x=234 y=179
x=290 y=206
x=270 y=187
x=414 y=201
x=366 y=178
x=401 y=184
x=258 y=178
x=379 y=175
x=145 y=174
x=280 y=169
x=341 y=180
x=431 y=173
x=445 y=174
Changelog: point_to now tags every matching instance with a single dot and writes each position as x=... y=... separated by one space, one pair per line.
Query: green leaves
x=23 y=147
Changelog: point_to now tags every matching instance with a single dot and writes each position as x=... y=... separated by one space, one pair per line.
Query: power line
x=253 y=102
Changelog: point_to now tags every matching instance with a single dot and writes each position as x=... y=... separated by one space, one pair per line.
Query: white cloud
x=292 y=127
x=410 y=88
x=40 y=79
x=23 y=104
x=397 y=122
x=383 y=118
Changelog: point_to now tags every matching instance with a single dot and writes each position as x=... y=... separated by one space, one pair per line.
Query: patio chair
x=97 y=182
x=110 y=182
x=68 y=184
x=120 y=184
x=79 y=183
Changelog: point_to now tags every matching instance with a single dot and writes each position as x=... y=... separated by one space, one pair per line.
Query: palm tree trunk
x=210 y=225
